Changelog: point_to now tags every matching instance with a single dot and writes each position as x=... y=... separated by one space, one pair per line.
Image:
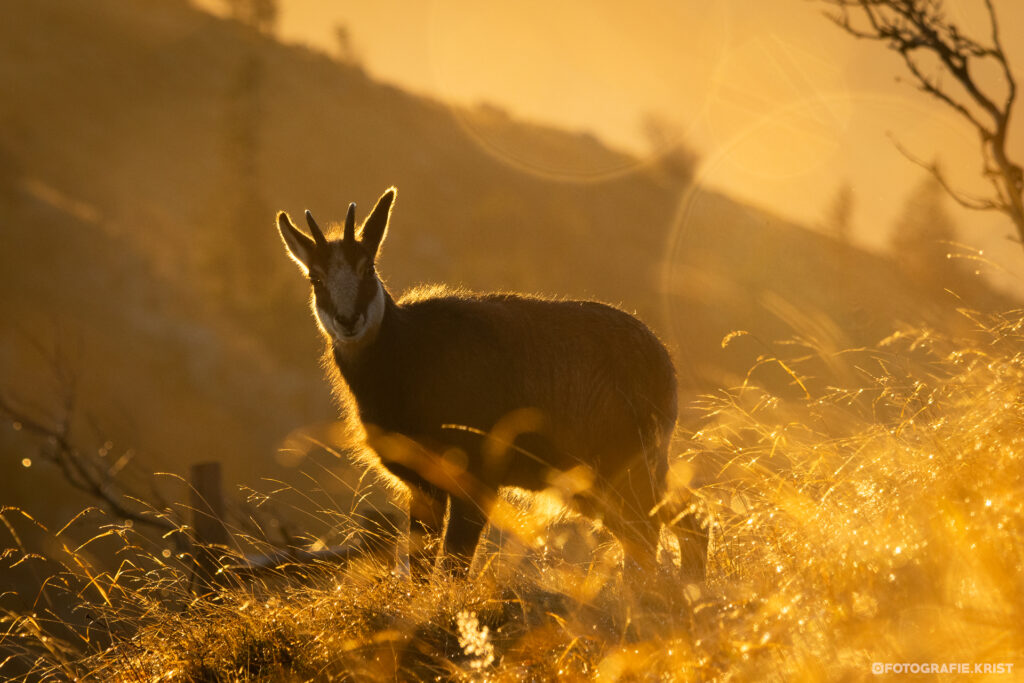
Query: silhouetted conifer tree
x=923 y=240
x=839 y=214
x=239 y=263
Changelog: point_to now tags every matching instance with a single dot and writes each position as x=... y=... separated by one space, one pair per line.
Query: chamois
x=462 y=394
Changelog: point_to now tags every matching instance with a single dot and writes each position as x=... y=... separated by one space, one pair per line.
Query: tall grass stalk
x=872 y=514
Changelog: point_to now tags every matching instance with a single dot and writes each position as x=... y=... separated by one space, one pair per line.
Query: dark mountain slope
x=145 y=146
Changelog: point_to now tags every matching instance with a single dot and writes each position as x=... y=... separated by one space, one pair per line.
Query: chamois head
x=348 y=297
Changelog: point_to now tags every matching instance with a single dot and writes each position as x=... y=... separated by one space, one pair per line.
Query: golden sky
x=782 y=106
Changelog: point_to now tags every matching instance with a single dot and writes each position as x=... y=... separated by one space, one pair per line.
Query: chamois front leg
x=426 y=520
x=406 y=460
x=628 y=505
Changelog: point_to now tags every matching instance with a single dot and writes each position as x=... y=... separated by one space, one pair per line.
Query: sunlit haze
x=781 y=105
x=396 y=340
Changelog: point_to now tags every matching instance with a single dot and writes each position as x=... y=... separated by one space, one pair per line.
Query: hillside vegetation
x=874 y=522
x=863 y=489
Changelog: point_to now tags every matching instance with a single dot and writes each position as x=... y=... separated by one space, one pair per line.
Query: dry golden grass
x=875 y=517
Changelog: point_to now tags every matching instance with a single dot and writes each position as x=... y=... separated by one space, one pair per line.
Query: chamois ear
x=376 y=226
x=300 y=247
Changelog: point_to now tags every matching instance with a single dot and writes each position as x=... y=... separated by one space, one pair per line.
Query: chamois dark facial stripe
x=367 y=290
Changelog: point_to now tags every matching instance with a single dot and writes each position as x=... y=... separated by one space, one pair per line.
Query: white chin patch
x=369 y=323
x=335 y=332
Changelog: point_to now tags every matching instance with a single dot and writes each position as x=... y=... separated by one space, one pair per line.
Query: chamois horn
x=350 y=223
x=318 y=235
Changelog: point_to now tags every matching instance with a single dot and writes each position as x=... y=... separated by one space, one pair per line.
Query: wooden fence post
x=207 y=501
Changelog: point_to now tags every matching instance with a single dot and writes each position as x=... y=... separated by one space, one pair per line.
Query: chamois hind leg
x=693 y=546
x=466 y=520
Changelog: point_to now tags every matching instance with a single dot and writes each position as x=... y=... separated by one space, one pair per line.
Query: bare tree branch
x=85 y=473
x=912 y=27
x=999 y=55
x=964 y=200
